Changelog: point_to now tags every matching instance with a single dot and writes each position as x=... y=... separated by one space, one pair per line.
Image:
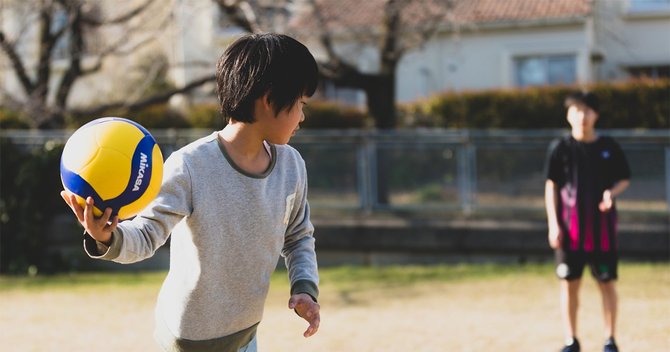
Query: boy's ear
x=266 y=103
x=266 y=99
x=262 y=106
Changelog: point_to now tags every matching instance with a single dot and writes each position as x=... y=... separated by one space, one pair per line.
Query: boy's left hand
x=607 y=201
x=304 y=305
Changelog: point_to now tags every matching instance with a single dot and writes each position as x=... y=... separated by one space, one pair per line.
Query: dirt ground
x=511 y=313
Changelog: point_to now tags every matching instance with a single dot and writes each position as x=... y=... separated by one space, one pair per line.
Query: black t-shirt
x=582 y=172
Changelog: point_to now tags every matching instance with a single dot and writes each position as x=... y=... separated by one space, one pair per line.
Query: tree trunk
x=381 y=105
x=381 y=101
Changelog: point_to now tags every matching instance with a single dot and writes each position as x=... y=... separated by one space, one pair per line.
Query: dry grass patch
x=403 y=308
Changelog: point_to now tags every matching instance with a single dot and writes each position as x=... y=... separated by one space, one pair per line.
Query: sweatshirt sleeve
x=139 y=238
x=298 y=251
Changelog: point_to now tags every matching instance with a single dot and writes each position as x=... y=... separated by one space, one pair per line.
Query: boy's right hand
x=555 y=237
x=100 y=228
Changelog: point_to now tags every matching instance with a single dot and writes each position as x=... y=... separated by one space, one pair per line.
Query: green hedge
x=318 y=115
x=28 y=201
x=206 y=116
x=323 y=115
x=12 y=119
x=152 y=116
x=633 y=104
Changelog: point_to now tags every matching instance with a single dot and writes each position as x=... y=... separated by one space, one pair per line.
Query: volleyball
x=117 y=162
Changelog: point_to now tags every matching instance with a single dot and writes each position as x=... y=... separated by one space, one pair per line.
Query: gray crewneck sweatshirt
x=228 y=229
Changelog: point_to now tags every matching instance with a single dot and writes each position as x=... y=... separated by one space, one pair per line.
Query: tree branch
x=435 y=15
x=114 y=50
x=46 y=45
x=17 y=64
x=241 y=14
x=335 y=68
x=76 y=49
x=390 y=49
x=159 y=98
x=88 y=20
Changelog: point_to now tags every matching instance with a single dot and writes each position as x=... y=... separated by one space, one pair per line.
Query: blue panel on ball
x=77 y=185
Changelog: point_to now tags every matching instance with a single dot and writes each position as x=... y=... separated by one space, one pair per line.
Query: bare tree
x=391 y=27
x=78 y=37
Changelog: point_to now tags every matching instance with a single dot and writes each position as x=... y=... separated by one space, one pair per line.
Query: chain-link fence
x=466 y=171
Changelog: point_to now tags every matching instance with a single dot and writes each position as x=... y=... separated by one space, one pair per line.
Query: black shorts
x=570 y=265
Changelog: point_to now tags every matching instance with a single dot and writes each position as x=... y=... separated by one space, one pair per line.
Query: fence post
x=366 y=174
x=466 y=174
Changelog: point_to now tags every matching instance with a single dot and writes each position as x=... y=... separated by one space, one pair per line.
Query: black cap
x=585 y=98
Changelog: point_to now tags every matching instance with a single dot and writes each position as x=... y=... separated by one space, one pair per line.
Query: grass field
x=398 y=308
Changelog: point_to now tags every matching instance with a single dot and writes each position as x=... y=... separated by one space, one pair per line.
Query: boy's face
x=582 y=118
x=287 y=122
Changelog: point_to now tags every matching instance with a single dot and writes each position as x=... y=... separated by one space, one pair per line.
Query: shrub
x=158 y=116
x=633 y=104
x=206 y=116
x=10 y=119
x=28 y=203
x=151 y=117
x=323 y=115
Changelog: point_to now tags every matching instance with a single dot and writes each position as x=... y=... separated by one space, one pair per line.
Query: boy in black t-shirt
x=585 y=173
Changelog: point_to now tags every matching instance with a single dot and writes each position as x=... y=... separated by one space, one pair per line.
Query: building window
x=545 y=70
x=648 y=5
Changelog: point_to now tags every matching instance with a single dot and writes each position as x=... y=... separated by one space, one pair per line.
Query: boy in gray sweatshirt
x=233 y=202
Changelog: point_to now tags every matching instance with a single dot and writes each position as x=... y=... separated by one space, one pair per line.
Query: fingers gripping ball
x=117 y=162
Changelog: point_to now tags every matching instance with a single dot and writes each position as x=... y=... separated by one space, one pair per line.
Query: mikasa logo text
x=140 y=172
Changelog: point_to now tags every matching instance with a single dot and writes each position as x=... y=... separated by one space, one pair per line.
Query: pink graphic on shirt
x=574 y=229
x=570 y=215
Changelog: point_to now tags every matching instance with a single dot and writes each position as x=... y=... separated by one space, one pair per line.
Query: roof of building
x=484 y=11
x=358 y=14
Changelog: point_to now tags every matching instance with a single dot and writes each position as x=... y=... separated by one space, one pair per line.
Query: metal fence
x=465 y=171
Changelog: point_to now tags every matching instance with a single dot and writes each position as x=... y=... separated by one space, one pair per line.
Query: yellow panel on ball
x=105 y=175
x=118 y=135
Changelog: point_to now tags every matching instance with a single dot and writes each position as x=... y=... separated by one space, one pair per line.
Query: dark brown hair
x=585 y=98
x=259 y=64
